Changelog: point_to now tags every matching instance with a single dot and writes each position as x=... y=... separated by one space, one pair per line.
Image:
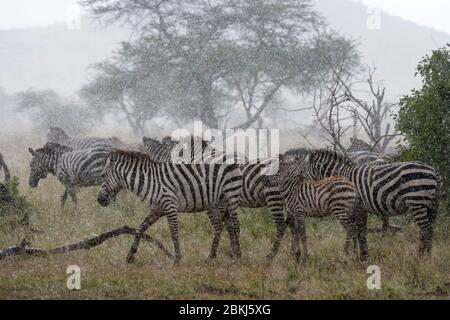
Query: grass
x=326 y=274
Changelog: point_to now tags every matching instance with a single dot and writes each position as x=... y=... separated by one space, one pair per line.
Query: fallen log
x=25 y=249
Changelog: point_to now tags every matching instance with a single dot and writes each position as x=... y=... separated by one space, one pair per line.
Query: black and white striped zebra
x=387 y=190
x=169 y=189
x=56 y=135
x=359 y=145
x=257 y=192
x=5 y=168
x=73 y=168
x=334 y=196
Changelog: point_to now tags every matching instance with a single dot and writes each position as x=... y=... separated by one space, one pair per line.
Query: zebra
x=258 y=190
x=56 y=135
x=387 y=190
x=73 y=168
x=335 y=196
x=359 y=145
x=296 y=153
x=171 y=151
x=172 y=188
x=5 y=168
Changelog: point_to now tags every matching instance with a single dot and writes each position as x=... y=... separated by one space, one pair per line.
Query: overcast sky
x=28 y=13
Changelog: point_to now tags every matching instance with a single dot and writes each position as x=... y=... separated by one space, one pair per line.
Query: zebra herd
x=170 y=180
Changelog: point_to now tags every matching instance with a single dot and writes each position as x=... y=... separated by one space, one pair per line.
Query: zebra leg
x=73 y=195
x=295 y=244
x=216 y=223
x=361 y=230
x=148 y=221
x=422 y=216
x=280 y=223
x=350 y=237
x=64 y=198
x=172 y=219
x=233 y=227
x=302 y=232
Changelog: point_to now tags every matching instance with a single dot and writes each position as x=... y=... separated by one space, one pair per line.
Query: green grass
x=326 y=274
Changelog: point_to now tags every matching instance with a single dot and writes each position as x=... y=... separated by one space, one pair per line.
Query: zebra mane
x=52 y=147
x=115 y=154
x=330 y=155
x=298 y=152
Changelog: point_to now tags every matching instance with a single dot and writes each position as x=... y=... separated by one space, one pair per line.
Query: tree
x=48 y=109
x=424 y=115
x=372 y=116
x=212 y=58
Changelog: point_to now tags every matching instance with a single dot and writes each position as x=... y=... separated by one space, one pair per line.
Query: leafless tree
x=372 y=116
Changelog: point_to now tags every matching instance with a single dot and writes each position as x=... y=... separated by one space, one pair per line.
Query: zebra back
x=193 y=187
x=58 y=136
x=297 y=153
x=359 y=145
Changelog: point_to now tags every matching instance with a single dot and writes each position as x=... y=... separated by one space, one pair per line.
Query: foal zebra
x=172 y=188
x=257 y=192
x=79 y=168
x=331 y=196
x=5 y=168
x=390 y=189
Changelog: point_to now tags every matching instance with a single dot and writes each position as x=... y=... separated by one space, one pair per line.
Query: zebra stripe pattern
x=390 y=189
x=331 y=196
x=74 y=169
x=258 y=191
x=172 y=188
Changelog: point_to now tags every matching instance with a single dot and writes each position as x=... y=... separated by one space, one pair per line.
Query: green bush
x=20 y=206
x=424 y=117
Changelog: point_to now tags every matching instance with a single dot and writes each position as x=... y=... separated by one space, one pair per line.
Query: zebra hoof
x=130 y=259
x=270 y=257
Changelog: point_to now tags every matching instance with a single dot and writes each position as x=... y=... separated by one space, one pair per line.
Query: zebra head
x=325 y=163
x=44 y=161
x=111 y=182
x=290 y=167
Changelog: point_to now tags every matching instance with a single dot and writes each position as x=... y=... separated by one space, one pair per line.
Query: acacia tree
x=47 y=109
x=214 y=57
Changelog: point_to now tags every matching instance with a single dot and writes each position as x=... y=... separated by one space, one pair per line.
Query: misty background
x=60 y=56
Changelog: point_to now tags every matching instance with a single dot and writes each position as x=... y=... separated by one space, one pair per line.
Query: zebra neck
x=345 y=171
x=136 y=176
x=53 y=163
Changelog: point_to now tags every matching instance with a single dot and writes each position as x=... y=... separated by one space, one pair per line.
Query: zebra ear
x=31 y=151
